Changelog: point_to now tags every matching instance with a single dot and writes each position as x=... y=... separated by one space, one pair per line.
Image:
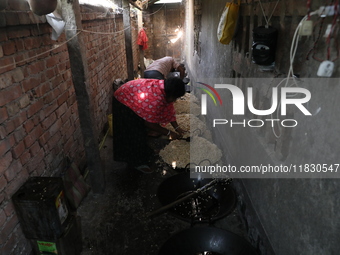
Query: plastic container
x=42 y=208
x=70 y=243
x=109 y=119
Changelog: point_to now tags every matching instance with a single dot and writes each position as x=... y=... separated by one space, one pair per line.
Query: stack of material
x=204 y=153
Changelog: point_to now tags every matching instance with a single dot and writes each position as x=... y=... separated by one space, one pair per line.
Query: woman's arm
x=158 y=128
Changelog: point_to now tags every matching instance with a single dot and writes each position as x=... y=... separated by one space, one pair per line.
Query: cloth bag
x=228 y=21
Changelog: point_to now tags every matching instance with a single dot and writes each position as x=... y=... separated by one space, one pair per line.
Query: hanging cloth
x=142 y=39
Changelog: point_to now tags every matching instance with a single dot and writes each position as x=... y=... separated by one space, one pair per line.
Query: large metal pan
x=206 y=241
x=208 y=206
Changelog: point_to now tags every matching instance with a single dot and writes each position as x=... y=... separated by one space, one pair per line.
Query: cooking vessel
x=208 y=206
x=206 y=240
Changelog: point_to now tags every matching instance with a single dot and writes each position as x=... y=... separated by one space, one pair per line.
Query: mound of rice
x=191 y=123
x=190 y=97
x=205 y=152
x=186 y=107
x=187 y=104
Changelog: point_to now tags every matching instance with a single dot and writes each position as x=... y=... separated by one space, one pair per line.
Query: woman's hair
x=174 y=87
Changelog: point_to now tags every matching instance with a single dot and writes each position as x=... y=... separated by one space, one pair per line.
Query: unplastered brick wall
x=106 y=58
x=39 y=122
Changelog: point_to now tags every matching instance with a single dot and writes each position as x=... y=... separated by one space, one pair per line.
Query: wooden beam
x=80 y=78
x=128 y=38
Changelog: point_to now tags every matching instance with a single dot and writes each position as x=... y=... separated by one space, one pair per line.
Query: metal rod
x=178 y=201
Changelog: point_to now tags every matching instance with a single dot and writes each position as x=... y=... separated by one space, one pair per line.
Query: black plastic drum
x=206 y=241
x=213 y=204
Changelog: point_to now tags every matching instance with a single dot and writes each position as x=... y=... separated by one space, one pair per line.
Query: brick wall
x=39 y=122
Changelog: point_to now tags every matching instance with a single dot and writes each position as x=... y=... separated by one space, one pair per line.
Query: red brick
x=19 y=45
x=12 y=18
x=17 y=32
x=53 y=141
x=16 y=183
x=36 y=68
x=5 y=162
x=49 y=121
x=15 y=122
x=42 y=89
x=61 y=110
x=34 y=108
x=33 y=136
x=44 y=138
x=3 y=114
x=2 y=195
x=19 y=134
x=10 y=94
x=29 y=125
x=51 y=96
x=57 y=81
x=13 y=170
x=3 y=132
x=68 y=145
x=21 y=58
x=7 y=64
x=3 y=184
x=8 y=248
x=32 y=43
x=3 y=218
x=35 y=148
x=35 y=161
x=6 y=144
x=50 y=73
x=52 y=61
x=55 y=127
x=25 y=157
x=13 y=108
x=24 y=17
x=17 y=75
x=40 y=169
x=3 y=34
x=18 y=150
x=9 y=48
x=9 y=209
x=30 y=83
x=50 y=109
x=62 y=98
x=24 y=101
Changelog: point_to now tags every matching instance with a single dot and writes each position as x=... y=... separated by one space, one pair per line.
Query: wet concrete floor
x=116 y=222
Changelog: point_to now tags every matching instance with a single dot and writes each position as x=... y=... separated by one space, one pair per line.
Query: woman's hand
x=174 y=136
x=180 y=131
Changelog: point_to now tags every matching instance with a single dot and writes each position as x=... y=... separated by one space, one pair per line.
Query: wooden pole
x=78 y=63
x=128 y=38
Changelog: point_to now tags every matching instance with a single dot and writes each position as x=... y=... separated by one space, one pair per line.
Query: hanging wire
x=40 y=54
x=156 y=11
x=271 y=15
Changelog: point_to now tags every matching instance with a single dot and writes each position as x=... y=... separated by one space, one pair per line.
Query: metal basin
x=206 y=241
x=213 y=204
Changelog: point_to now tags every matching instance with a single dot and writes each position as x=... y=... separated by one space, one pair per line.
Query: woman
x=139 y=105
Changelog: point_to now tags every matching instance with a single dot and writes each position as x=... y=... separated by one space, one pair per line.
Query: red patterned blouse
x=146 y=97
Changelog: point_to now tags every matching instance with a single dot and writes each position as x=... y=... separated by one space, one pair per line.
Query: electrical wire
x=291 y=76
x=271 y=15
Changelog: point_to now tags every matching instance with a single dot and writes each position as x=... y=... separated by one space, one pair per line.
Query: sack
x=75 y=186
x=228 y=21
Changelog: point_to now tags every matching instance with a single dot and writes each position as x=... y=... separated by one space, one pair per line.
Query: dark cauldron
x=206 y=240
x=210 y=205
